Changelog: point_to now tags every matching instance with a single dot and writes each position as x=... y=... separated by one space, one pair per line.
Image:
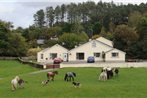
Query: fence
x=33 y=64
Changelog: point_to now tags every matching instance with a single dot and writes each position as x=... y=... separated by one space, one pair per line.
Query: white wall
x=88 y=50
x=107 y=64
x=55 y=49
x=121 y=56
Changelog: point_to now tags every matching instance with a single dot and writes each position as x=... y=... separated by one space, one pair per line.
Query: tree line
x=75 y=23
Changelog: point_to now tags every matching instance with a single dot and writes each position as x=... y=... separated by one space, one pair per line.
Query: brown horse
x=50 y=75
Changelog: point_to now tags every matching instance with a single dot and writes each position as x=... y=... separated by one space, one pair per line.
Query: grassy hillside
x=131 y=83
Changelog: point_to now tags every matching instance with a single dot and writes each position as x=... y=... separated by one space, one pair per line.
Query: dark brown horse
x=50 y=75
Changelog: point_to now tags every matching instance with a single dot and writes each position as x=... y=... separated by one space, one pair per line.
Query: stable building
x=95 y=48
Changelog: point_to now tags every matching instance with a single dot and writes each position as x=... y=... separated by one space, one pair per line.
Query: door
x=65 y=57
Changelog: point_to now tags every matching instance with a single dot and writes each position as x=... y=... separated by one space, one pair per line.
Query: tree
x=97 y=28
x=18 y=46
x=39 y=18
x=124 y=37
x=63 y=11
x=142 y=28
x=50 y=15
x=134 y=19
x=57 y=13
x=70 y=40
x=4 y=37
x=142 y=42
x=77 y=27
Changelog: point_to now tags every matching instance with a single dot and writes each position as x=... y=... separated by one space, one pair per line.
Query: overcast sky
x=20 y=12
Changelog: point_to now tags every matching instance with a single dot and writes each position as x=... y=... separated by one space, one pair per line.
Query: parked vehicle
x=57 y=60
x=90 y=59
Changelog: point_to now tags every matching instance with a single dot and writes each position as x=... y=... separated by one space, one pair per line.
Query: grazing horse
x=116 y=71
x=69 y=76
x=103 y=75
x=14 y=83
x=50 y=75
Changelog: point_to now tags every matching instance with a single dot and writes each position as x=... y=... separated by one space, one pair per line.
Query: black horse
x=69 y=76
x=116 y=70
x=109 y=72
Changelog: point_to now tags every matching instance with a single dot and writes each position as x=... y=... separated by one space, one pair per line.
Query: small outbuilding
x=56 y=51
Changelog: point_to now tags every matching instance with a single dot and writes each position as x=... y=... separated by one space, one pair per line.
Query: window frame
x=114 y=54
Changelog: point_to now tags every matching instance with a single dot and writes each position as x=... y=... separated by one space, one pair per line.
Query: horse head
x=56 y=72
x=74 y=74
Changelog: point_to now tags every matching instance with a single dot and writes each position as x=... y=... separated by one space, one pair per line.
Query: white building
x=81 y=53
x=48 y=54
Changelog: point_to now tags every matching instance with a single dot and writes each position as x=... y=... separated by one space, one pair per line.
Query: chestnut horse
x=50 y=75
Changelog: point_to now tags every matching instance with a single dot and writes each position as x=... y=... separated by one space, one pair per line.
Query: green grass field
x=131 y=83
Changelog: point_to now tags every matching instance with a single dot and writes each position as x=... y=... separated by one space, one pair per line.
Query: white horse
x=14 y=83
x=103 y=75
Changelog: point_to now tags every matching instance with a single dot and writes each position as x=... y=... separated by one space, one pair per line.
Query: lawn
x=131 y=83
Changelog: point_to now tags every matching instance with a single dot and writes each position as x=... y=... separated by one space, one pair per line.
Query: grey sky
x=20 y=12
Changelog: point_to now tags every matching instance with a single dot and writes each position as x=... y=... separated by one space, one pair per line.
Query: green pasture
x=131 y=83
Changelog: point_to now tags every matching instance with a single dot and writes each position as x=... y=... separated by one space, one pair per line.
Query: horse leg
x=72 y=78
x=53 y=78
x=47 y=75
x=67 y=79
x=13 y=87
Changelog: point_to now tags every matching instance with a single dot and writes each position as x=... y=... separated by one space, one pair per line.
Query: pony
x=109 y=72
x=103 y=75
x=69 y=76
x=116 y=71
x=14 y=83
x=45 y=82
x=76 y=84
x=21 y=83
x=51 y=75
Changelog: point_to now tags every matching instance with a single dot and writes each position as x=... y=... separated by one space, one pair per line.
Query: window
x=41 y=56
x=97 y=54
x=80 y=56
x=115 y=54
x=93 y=44
x=53 y=55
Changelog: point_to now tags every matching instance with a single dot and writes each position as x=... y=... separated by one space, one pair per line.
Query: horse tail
x=47 y=75
x=65 y=77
